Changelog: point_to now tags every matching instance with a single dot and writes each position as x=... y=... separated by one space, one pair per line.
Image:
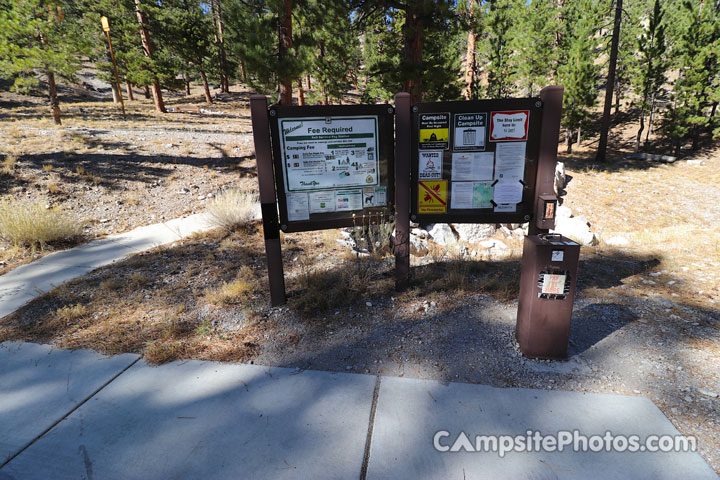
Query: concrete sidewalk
x=78 y=414
x=24 y=283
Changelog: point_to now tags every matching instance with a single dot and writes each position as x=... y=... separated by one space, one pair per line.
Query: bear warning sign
x=432 y=196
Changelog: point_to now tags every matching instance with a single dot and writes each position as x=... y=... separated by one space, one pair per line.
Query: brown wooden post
x=551 y=98
x=402 y=190
x=268 y=201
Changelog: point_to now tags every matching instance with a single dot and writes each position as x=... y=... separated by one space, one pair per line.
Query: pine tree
x=36 y=36
x=650 y=70
x=260 y=38
x=330 y=42
x=536 y=24
x=416 y=47
x=188 y=33
x=499 y=31
x=695 y=51
x=577 y=70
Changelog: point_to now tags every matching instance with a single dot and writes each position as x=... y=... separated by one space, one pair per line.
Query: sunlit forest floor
x=647 y=315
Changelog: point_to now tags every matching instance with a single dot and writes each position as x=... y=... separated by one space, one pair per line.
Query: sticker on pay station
x=509 y=126
x=469 y=131
x=432 y=196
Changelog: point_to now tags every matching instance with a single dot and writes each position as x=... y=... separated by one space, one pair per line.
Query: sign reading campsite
x=330 y=152
x=434 y=131
x=509 y=126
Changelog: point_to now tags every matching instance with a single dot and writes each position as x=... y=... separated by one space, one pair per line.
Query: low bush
x=29 y=223
x=232 y=208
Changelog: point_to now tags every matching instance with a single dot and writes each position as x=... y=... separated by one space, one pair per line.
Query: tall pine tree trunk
x=186 y=81
x=54 y=102
x=605 y=127
x=301 y=94
x=147 y=92
x=216 y=8
x=308 y=83
x=147 y=48
x=243 y=73
x=115 y=94
x=470 y=61
x=206 y=87
x=568 y=140
x=650 y=118
x=640 y=130
x=413 y=33
x=285 y=46
x=128 y=88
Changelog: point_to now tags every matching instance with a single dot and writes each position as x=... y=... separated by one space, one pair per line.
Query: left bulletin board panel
x=334 y=165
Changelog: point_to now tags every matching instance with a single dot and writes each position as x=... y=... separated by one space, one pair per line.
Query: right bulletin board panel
x=475 y=161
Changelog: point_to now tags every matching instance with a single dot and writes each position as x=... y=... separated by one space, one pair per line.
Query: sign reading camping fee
x=329 y=152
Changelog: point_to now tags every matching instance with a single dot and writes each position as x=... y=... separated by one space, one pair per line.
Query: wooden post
x=268 y=200
x=402 y=190
x=551 y=98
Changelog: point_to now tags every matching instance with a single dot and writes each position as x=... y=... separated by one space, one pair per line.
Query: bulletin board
x=334 y=165
x=474 y=161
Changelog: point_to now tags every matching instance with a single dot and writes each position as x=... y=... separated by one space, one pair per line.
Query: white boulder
x=418 y=246
x=441 y=233
x=576 y=229
x=474 y=232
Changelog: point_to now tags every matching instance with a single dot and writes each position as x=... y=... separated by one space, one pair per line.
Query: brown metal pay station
x=484 y=161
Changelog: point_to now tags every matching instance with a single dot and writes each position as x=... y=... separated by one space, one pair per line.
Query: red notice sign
x=509 y=126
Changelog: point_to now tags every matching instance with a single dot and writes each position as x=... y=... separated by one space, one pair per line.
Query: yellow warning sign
x=432 y=196
x=434 y=135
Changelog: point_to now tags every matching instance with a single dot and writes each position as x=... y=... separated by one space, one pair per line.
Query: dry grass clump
x=29 y=223
x=9 y=163
x=236 y=291
x=232 y=208
x=357 y=278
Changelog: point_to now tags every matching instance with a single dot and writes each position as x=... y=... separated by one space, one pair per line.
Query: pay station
x=485 y=161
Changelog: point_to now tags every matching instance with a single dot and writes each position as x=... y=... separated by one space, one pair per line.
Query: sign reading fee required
x=330 y=164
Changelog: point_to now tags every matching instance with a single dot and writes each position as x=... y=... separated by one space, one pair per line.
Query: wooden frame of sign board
x=485 y=137
x=368 y=164
x=449 y=149
x=377 y=137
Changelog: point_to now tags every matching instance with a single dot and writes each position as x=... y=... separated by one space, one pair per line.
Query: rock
x=695 y=162
x=419 y=232
x=474 y=232
x=576 y=229
x=418 y=246
x=441 y=233
x=707 y=393
x=563 y=212
x=369 y=304
x=492 y=243
x=183 y=191
x=617 y=241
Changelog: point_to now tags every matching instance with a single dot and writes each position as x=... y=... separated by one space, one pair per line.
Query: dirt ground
x=646 y=319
